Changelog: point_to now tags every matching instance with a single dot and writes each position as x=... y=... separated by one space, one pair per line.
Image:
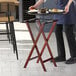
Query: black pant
x=70 y=38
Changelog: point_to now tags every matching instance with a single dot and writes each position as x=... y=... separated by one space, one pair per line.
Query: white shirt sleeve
x=44 y=0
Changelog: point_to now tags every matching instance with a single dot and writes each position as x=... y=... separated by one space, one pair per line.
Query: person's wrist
x=31 y=7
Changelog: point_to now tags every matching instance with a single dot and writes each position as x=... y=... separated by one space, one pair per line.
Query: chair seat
x=5 y=19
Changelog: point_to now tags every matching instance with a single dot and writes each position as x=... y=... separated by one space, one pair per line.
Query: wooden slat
x=5 y=19
x=3 y=7
x=10 y=1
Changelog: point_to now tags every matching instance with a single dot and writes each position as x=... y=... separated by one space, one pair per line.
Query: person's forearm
x=38 y=3
x=69 y=2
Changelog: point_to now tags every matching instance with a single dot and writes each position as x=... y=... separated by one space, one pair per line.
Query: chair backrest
x=4 y=8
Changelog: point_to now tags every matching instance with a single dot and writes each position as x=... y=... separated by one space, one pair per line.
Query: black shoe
x=59 y=59
x=71 y=61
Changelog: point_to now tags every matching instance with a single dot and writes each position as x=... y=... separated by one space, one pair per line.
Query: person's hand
x=66 y=9
x=31 y=7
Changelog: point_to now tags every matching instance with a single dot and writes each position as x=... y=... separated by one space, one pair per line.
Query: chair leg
x=13 y=38
x=8 y=32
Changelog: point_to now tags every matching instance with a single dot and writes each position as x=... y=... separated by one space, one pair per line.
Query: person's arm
x=37 y=4
x=68 y=6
